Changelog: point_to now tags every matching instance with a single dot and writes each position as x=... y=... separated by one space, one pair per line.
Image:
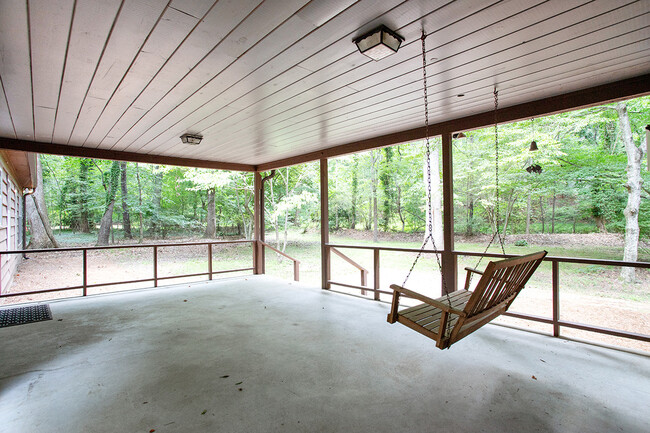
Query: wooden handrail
x=364 y=271
x=296 y=262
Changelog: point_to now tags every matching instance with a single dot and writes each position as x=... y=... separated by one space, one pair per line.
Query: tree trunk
x=541 y=212
x=105 y=225
x=110 y=185
x=528 y=215
x=434 y=219
x=355 y=192
x=633 y=186
x=126 y=217
x=211 y=224
x=400 y=212
x=41 y=230
x=157 y=199
x=84 y=225
x=373 y=175
x=553 y=214
x=137 y=175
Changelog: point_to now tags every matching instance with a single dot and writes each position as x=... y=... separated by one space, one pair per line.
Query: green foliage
x=581 y=187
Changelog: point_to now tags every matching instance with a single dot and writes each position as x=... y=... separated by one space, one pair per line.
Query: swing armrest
x=427 y=300
x=476 y=271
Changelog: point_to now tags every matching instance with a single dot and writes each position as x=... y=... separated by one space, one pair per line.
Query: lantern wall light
x=379 y=43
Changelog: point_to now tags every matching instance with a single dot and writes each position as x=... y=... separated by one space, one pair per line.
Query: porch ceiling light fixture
x=379 y=43
x=191 y=139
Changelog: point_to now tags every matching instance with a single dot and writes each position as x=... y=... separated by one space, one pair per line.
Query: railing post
x=324 y=225
x=155 y=266
x=449 y=259
x=556 y=297
x=85 y=272
x=296 y=270
x=376 y=272
x=210 y=261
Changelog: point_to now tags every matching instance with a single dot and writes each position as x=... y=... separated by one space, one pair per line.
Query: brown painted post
x=296 y=270
x=449 y=259
x=210 y=261
x=155 y=266
x=85 y=272
x=376 y=272
x=556 y=298
x=324 y=225
x=257 y=247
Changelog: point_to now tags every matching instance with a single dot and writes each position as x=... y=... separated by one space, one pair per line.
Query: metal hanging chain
x=497 y=213
x=429 y=201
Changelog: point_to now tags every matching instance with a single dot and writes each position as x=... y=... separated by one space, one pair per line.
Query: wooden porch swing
x=455 y=315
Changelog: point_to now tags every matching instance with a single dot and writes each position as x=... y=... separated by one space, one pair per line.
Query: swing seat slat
x=449 y=319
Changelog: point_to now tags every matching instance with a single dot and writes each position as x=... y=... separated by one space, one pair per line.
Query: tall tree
x=110 y=182
x=211 y=223
x=633 y=186
x=126 y=217
x=39 y=223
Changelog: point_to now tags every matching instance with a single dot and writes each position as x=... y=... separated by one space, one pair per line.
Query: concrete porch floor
x=257 y=354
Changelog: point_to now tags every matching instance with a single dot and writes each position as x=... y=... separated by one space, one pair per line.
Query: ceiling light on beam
x=379 y=43
x=192 y=139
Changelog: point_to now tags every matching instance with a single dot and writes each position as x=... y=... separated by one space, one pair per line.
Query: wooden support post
x=449 y=259
x=85 y=272
x=155 y=266
x=258 y=221
x=376 y=272
x=556 y=297
x=209 y=261
x=296 y=270
x=324 y=225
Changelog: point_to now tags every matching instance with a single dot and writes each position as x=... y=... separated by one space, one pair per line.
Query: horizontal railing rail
x=155 y=278
x=555 y=261
x=296 y=262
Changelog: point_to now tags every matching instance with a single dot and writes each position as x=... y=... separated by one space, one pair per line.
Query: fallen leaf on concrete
x=534 y=378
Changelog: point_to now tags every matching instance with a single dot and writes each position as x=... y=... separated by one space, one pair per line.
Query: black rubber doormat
x=22 y=315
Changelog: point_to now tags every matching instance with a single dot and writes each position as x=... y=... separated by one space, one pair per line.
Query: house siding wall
x=10 y=227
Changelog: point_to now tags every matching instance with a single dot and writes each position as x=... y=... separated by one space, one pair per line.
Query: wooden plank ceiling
x=267 y=80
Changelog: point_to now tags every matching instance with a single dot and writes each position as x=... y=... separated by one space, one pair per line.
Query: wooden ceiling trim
x=300 y=105
x=6 y=121
x=343 y=45
x=196 y=60
x=15 y=67
x=410 y=115
x=164 y=40
x=620 y=90
x=324 y=115
x=265 y=20
x=85 y=152
x=48 y=48
x=413 y=116
x=133 y=29
x=92 y=25
x=309 y=46
x=352 y=115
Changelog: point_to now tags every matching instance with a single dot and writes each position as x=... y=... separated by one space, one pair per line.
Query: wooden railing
x=364 y=271
x=555 y=320
x=155 y=278
x=296 y=263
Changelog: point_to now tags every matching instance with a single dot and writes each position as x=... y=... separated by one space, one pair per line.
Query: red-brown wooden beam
x=449 y=259
x=113 y=155
x=607 y=93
